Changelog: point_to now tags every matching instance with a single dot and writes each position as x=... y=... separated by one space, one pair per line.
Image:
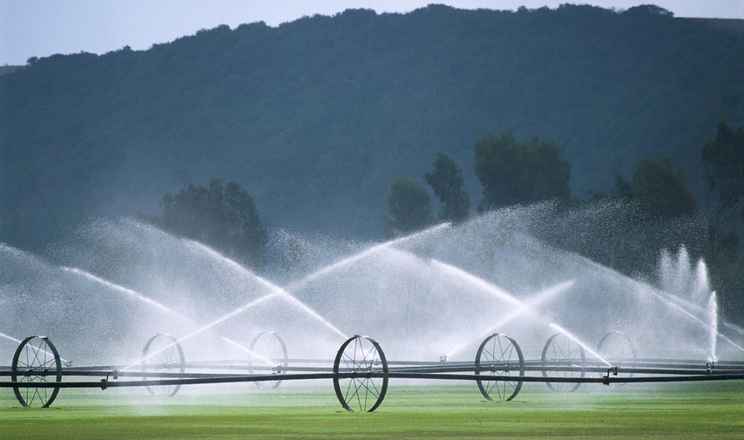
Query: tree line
x=516 y=171
x=524 y=171
x=313 y=114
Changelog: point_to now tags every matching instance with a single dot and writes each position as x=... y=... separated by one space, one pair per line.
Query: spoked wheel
x=563 y=357
x=268 y=354
x=499 y=357
x=617 y=349
x=162 y=354
x=360 y=374
x=36 y=361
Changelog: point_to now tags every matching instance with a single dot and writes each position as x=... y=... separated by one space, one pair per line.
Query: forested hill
x=316 y=117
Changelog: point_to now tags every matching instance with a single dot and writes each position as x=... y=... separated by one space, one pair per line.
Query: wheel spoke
x=617 y=348
x=563 y=357
x=363 y=389
x=35 y=361
x=162 y=354
x=495 y=359
x=269 y=350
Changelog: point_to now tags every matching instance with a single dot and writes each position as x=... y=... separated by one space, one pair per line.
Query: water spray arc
x=402 y=292
x=207 y=327
x=521 y=305
x=10 y=338
x=276 y=292
x=709 y=320
x=528 y=306
x=710 y=324
x=138 y=296
x=364 y=254
x=249 y=351
x=712 y=313
x=266 y=283
x=128 y=292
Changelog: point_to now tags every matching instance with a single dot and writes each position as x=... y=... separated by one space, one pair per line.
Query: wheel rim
x=268 y=353
x=565 y=358
x=365 y=374
x=499 y=356
x=36 y=361
x=162 y=354
x=617 y=349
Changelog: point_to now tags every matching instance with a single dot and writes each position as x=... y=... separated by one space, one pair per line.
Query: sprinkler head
x=606 y=379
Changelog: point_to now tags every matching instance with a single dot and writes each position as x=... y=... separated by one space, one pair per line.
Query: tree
x=638 y=220
x=656 y=187
x=659 y=188
x=448 y=184
x=409 y=204
x=520 y=172
x=652 y=213
x=724 y=162
x=223 y=218
x=622 y=189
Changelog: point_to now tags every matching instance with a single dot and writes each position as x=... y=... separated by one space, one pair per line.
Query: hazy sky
x=45 y=27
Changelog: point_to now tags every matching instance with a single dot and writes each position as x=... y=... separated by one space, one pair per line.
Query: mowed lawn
x=296 y=411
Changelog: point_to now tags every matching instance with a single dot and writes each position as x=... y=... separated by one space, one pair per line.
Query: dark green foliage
x=620 y=234
x=724 y=159
x=222 y=218
x=520 y=172
x=660 y=189
x=315 y=116
x=409 y=204
x=623 y=189
x=449 y=186
x=657 y=188
x=724 y=164
x=640 y=219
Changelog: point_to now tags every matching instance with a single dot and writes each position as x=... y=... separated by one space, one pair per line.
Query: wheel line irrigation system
x=360 y=371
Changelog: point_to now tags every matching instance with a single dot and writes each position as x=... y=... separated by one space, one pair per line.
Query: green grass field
x=691 y=411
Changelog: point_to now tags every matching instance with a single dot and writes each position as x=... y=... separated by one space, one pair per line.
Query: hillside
x=315 y=117
x=4 y=70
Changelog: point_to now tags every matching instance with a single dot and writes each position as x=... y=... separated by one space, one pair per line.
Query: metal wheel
x=563 y=357
x=162 y=354
x=36 y=361
x=360 y=374
x=617 y=349
x=499 y=356
x=269 y=353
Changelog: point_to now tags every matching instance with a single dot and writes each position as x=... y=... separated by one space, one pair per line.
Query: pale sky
x=45 y=27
